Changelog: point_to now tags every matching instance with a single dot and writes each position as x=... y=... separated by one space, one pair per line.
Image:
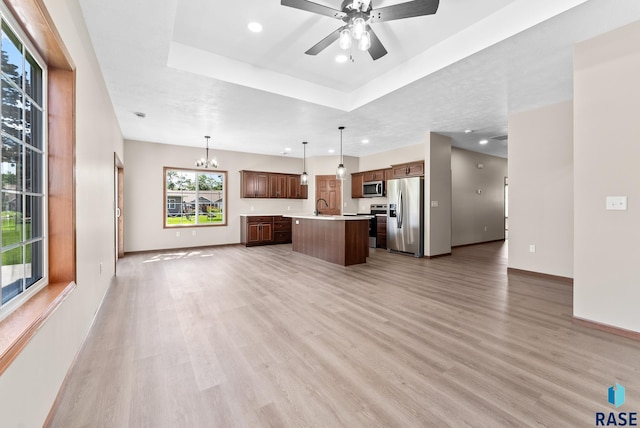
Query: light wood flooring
x=259 y=337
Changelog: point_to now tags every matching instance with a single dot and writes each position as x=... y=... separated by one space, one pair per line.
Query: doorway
x=118 y=178
x=329 y=188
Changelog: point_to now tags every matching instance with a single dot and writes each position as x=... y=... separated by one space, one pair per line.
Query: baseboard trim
x=199 y=247
x=437 y=256
x=629 y=334
x=562 y=279
x=477 y=243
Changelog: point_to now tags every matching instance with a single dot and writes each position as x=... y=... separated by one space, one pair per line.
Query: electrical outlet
x=485 y=228
x=288 y=208
x=100 y=268
x=251 y=207
x=616 y=203
x=532 y=248
x=193 y=232
x=178 y=234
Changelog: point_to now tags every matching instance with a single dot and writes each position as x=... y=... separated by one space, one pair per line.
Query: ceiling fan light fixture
x=345 y=39
x=365 y=41
x=359 y=27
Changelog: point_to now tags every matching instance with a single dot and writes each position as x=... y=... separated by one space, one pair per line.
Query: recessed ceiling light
x=140 y=114
x=331 y=151
x=468 y=131
x=288 y=149
x=342 y=58
x=483 y=142
x=365 y=141
x=255 y=27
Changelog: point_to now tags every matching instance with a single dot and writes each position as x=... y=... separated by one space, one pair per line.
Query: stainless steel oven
x=373 y=223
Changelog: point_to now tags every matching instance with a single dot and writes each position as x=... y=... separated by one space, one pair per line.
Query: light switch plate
x=434 y=204
x=616 y=203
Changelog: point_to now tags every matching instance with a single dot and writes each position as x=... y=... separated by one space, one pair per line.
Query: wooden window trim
x=21 y=325
x=195 y=170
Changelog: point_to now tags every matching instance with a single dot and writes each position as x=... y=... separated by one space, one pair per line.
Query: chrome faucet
x=326 y=204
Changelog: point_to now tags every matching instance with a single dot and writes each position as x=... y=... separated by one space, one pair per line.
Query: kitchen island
x=337 y=239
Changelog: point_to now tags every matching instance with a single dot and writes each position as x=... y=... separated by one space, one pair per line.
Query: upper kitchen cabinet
x=376 y=175
x=356 y=185
x=294 y=189
x=254 y=184
x=257 y=184
x=410 y=169
x=278 y=186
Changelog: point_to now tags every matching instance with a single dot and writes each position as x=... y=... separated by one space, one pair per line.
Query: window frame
x=29 y=50
x=181 y=202
x=19 y=327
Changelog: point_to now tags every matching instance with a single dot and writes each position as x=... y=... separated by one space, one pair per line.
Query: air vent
x=500 y=137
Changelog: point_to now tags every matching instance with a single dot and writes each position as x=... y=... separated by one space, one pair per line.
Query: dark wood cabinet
x=257 y=184
x=278 y=186
x=409 y=169
x=281 y=230
x=295 y=190
x=254 y=184
x=256 y=230
x=265 y=230
x=356 y=185
x=381 y=232
x=376 y=175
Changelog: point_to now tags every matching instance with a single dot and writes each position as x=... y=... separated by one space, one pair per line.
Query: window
x=195 y=198
x=23 y=154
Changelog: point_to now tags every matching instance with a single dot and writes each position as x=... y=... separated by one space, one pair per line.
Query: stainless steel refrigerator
x=405 y=213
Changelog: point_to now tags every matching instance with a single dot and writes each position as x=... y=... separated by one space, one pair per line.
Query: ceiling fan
x=357 y=15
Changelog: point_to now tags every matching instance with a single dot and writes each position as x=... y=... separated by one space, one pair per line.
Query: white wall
x=541 y=190
x=29 y=385
x=476 y=217
x=437 y=188
x=606 y=156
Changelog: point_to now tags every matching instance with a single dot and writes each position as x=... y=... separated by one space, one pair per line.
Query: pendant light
x=341 y=172
x=205 y=162
x=304 y=177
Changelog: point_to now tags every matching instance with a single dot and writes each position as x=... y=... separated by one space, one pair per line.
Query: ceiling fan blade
x=405 y=10
x=376 y=50
x=324 y=43
x=313 y=8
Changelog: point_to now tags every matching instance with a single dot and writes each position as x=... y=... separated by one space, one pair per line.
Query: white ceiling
x=194 y=69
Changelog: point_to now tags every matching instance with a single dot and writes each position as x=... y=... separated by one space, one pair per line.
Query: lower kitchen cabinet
x=265 y=230
x=281 y=230
x=381 y=232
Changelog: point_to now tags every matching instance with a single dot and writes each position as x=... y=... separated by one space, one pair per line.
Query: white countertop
x=329 y=217
x=259 y=215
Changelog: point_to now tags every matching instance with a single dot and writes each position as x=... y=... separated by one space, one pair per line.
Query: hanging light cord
x=341 y=159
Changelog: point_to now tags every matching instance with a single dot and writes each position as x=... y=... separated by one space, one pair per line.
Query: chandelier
x=205 y=162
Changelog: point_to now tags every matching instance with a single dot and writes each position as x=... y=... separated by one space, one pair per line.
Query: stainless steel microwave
x=372 y=189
